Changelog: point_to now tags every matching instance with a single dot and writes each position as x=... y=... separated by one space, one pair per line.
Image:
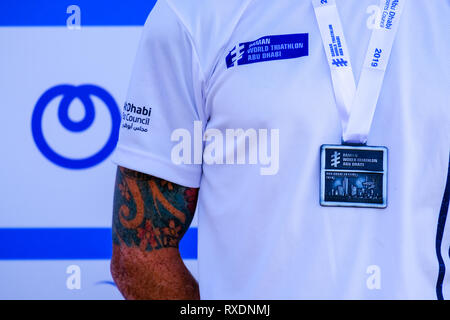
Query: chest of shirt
x=264 y=79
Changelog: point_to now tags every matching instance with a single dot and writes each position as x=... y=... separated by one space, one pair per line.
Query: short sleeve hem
x=185 y=175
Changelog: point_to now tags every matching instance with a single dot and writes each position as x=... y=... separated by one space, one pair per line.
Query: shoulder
x=217 y=14
x=209 y=23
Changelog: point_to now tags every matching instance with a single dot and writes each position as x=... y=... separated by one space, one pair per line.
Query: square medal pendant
x=353 y=176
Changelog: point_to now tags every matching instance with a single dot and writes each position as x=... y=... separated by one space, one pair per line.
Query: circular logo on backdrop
x=69 y=93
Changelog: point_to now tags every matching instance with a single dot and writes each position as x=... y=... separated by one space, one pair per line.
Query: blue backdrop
x=65 y=67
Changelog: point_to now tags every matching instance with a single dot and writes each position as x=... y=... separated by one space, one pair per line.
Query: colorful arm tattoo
x=150 y=213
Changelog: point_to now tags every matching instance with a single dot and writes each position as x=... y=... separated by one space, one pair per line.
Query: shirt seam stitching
x=191 y=38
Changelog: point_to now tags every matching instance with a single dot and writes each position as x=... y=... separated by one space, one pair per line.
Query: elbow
x=114 y=270
x=119 y=275
x=128 y=271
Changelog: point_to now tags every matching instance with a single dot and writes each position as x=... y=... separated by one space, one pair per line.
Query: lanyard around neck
x=356 y=105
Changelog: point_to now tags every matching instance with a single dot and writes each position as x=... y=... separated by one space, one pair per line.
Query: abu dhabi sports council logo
x=68 y=94
x=136 y=118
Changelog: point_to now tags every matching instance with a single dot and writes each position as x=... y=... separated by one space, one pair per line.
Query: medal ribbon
x=356 y=105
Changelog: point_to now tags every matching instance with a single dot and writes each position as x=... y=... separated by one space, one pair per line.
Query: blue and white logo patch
x=269 y=48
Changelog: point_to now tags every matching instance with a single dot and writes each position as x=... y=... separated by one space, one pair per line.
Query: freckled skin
x=150 y=217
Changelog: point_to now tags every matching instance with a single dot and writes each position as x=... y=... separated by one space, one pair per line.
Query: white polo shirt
x=262 y=232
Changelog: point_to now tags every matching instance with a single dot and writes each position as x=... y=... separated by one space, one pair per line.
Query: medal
x=354 y=174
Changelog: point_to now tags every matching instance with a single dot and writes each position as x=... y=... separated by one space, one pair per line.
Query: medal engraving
x=353 y=176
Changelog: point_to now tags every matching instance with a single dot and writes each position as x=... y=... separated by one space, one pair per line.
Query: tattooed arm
x=150 y=217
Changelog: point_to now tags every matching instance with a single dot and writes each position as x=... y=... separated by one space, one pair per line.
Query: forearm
x=163 y=277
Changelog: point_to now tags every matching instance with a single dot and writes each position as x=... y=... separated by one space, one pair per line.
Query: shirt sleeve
x=164 y=101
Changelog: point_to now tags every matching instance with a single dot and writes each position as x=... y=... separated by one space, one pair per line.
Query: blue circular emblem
x=70 y=93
